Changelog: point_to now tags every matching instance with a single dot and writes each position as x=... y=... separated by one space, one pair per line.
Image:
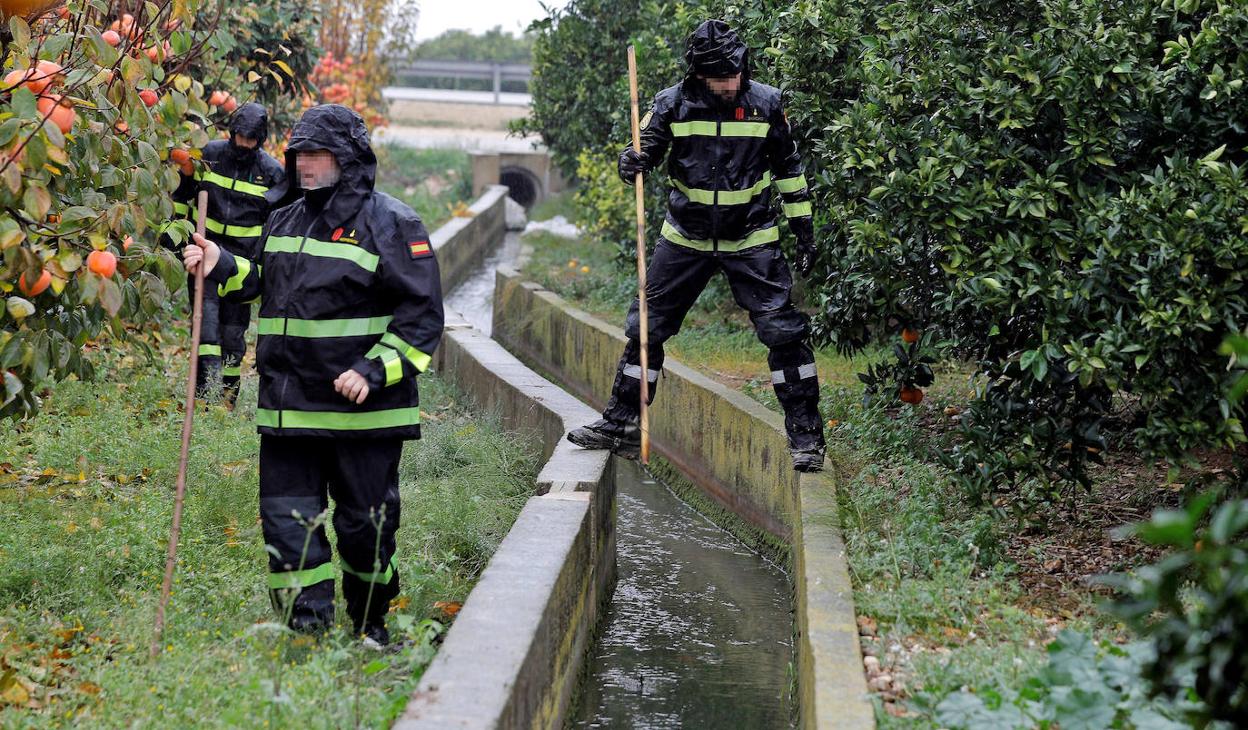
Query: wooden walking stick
x=641 y=267
x=188 y=416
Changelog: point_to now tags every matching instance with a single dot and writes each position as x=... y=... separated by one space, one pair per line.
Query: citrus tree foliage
x=85 y=177
x=367 y=35
x=1053 y=191
x=273 y=45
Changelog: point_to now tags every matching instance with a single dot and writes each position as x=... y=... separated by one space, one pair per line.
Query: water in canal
x=698 y=632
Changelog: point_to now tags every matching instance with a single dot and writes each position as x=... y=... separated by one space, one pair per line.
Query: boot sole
x=622 y=452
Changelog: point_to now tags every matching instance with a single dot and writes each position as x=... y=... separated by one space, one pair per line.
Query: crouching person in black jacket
x=350 y=313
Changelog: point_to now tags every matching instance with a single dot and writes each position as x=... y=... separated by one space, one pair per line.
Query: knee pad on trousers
x=781 y=326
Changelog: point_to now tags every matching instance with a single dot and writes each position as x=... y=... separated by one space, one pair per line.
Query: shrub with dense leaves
x=1054 y=191
x=98 y=99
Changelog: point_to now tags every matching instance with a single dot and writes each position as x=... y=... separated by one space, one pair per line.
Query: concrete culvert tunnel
x=524 y=186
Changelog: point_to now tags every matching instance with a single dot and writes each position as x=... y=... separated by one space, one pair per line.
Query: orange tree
x=97 y=96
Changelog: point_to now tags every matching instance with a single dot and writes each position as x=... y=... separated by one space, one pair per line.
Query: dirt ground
x=461 y=116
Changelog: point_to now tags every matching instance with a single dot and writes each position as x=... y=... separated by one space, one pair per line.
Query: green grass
x=85 y=503
x=431 y=181
x=927 y=570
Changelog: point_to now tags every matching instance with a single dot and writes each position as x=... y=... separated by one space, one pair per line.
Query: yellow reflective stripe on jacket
x=757 y=238
x=336 y=421
x=235 y=231
x=726 y=197
x=393 y=365
x=229 y=183
x=720 y=129
x=181 y=209
x=301 y=578
x=324 y=249
x=797 y=210
x=791 y=184
x=418 y=359
x=235 y=282
x=357 y=327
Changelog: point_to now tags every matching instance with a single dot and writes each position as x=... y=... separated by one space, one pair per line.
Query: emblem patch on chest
x=337 y=237
x=419 y=249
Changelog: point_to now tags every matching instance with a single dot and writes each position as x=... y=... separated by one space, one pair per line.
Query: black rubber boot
x=376 y=636
x=622 y=439
x=807 y=460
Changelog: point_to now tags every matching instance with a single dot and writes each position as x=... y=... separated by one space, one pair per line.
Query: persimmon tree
x=97 y=97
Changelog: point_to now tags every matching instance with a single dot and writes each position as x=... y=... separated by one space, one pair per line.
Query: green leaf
x=18 y=308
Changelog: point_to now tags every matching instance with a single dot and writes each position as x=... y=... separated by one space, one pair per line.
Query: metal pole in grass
x=641 y=267
x=188 y=417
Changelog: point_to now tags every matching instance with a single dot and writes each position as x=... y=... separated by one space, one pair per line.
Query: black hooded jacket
x=725 y=156
x=347 y=279
x=237 y=180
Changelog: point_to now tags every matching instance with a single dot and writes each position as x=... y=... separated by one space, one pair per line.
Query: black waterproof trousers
x=761 y=283
x=222 y=343
x=298 y=475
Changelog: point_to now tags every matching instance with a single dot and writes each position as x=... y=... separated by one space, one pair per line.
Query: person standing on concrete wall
x=730 y=143
x=350 y=314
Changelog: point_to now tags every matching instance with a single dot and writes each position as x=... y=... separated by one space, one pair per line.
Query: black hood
x=715 y=50
x=251 y=120
x=340 y=130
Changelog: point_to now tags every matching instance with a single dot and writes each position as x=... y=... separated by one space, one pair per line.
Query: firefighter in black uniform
x=237 y=173
x=730 y=144
x=350 y=313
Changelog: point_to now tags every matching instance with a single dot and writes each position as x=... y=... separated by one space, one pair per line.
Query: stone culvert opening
x=524 y=186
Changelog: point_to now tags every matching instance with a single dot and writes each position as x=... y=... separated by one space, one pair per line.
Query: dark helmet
x=251 y=121
x=715 y=50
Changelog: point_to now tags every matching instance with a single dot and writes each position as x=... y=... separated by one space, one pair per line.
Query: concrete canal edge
x=735 y=450
x=514 y=655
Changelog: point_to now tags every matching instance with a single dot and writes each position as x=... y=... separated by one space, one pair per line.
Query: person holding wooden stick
x=730 y=144
x=350 y=314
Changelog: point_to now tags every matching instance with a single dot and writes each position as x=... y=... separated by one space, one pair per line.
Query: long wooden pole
x=188 y=417
x=641 y=267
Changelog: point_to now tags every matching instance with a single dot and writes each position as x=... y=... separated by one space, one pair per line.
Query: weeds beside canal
x=85 y=504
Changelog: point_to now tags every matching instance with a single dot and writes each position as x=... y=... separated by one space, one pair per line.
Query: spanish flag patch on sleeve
x=419 y=248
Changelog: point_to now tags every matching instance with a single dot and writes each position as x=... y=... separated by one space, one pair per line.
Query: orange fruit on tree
x=45 y=73
x=179 y=155
x=911 y=395
x=103 y=263
x=229 y=105
x=58 y=111
x=909 y=336
x=16 y=77
x=149 y=97
x=218 y=97
x=40 y=285
x=126 y=243
x=112 y=38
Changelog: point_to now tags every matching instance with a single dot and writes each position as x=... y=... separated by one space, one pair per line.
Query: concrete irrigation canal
x=611 y=602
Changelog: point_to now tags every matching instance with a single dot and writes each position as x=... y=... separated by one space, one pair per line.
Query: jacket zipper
x=281 y=396
x=719 y=127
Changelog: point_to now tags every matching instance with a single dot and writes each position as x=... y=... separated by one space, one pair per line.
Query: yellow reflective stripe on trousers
x=209 y=350
x=236 y=231
x=229 y=183
x=383 y=577
x=301 y=578
x=325 y=249
x=720 y=129
x=797 y=210
x=791 y=184
x=235 y=371
x=726 y=197
x=418 y=359
x=235 y=282
x=757 y=238
x=357 y=327
x=335 y=421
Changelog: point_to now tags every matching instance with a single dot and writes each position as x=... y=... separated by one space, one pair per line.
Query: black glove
x=807 y=254
x=631 y=163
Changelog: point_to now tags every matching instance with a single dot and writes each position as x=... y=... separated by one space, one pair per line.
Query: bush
x=84 y=166
x=1052 y=191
